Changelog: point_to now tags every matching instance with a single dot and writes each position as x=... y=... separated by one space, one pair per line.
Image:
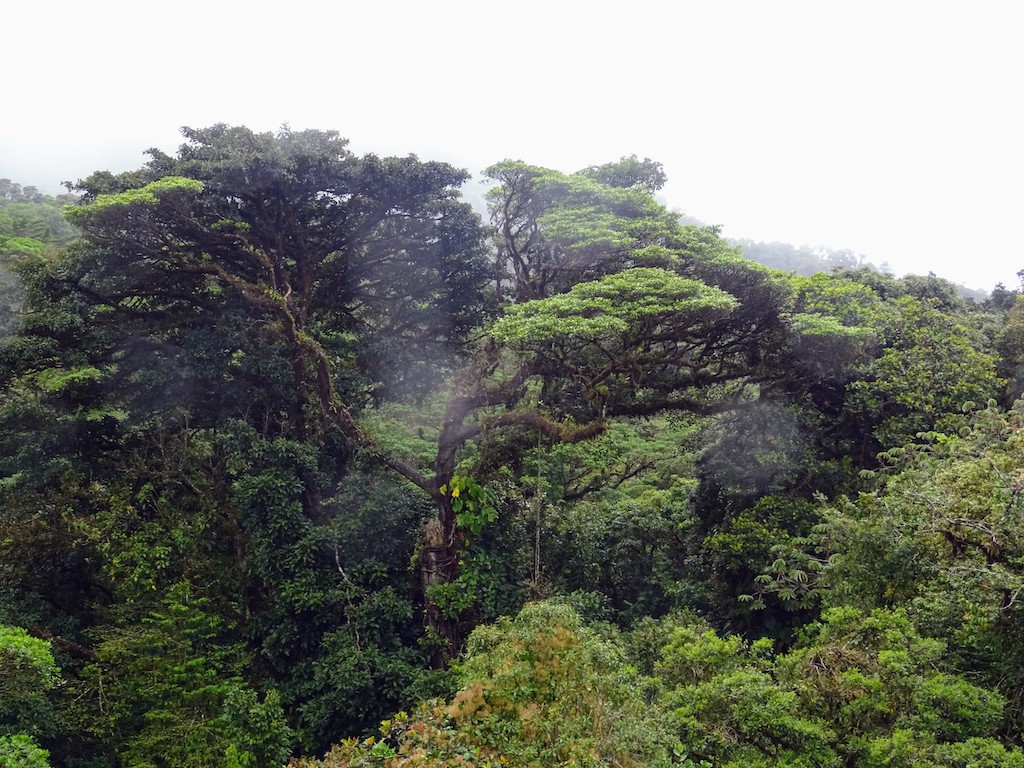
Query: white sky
x=894 y=128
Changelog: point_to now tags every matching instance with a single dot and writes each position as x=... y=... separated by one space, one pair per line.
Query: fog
x=889 y=130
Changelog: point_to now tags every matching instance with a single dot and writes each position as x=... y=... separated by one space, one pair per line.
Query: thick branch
x=537 y=421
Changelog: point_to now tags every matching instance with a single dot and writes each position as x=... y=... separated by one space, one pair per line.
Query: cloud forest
x=306 y=461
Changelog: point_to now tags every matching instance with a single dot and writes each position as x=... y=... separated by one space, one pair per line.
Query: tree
x=927 y=368
x=181 y=397
x=860 y=688
x=170 y=687
x=612 y=308
x=27 y=673
x=298 y=232
x=942 y=538
x=537 y=689
x=19 y=751
x=1010 y=345
x=878 y=361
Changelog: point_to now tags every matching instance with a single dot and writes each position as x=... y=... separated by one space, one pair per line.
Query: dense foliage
x=299 y=455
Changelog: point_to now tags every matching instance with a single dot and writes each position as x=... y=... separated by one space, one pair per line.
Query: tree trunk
x=439 y=564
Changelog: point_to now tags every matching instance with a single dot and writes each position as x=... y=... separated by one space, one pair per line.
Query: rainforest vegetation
x=304 y=461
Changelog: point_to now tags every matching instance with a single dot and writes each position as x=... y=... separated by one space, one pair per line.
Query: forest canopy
x=304 y=459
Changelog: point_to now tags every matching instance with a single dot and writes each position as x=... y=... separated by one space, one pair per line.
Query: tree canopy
x=301 y=455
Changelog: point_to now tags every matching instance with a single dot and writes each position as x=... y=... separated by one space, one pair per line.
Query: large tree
x=181 y=401
x=360 y=262
x=609 y=308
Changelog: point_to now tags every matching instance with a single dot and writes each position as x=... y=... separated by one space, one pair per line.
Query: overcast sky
x=895 y=129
